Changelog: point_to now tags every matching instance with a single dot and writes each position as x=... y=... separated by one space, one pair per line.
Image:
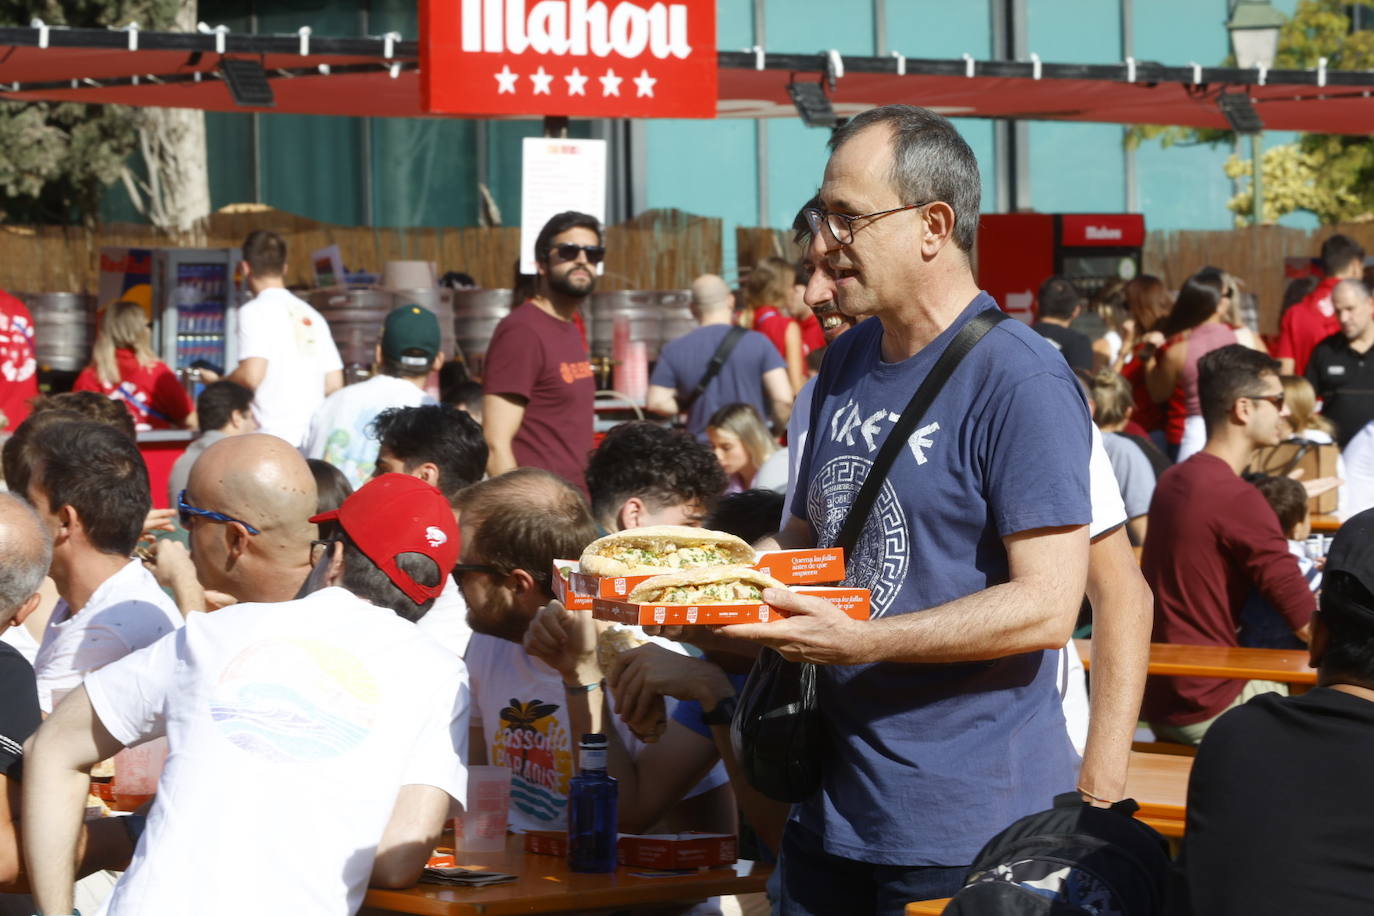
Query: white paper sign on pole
x=556 y=175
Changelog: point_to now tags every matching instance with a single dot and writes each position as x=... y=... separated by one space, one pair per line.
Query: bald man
x=750 y=371
x=247 y=508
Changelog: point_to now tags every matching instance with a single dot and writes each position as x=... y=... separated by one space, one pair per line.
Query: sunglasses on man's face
x=567 y=251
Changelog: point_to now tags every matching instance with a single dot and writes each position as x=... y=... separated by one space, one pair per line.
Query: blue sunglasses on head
x=185 y=510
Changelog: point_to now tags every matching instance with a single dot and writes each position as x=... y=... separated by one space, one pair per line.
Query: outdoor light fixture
x=1254 y=26
x=247 y=83
x=1239 y=113
x=813 y=106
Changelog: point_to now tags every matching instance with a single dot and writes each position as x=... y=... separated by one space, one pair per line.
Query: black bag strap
x=916 y=408
x=727 y=345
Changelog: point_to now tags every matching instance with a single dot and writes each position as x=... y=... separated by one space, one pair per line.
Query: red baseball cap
x=395 y=514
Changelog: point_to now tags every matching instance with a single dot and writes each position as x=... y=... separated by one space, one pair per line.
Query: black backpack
x=1071 y=860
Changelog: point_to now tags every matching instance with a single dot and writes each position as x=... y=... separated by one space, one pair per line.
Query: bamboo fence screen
x=661 y=249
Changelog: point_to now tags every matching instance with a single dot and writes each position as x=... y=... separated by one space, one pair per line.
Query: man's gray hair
x=25 y=554
x=1355 y=288
x=930 y=161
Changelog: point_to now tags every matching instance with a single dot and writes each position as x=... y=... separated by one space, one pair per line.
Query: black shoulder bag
x=778 y=733
x=723 y=351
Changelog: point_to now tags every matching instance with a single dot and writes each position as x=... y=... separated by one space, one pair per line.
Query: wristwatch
x=723 y=713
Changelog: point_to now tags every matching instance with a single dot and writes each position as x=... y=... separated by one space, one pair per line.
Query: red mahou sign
x=579 y=58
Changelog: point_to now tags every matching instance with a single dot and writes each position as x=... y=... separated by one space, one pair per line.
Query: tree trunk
x=177 y=191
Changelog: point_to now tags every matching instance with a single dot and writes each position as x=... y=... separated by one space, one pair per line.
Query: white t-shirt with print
x=339 y=430
x=446 y=621
x=128 y=611
x=294 y=339
x=291 y=728
x=517 y=701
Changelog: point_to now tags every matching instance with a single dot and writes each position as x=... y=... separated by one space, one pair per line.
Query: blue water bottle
x=592 y=824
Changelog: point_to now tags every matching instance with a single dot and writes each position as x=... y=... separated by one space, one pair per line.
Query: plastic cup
x=482 y=827
x=137 y=770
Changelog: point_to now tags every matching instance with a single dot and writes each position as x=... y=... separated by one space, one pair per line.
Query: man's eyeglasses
x=185 y=511
x=842 y=226
x=1275 y=399
x=567 y=251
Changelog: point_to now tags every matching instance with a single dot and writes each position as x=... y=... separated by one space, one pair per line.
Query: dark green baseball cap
x=410 y=336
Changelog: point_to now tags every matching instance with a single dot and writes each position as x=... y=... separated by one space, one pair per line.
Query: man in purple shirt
x=1213 y=539
x=539 y=392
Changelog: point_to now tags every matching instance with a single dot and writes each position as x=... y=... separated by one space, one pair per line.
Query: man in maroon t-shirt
x=1312 y=320
x=1213 y=539
x=18 y=362
x=538 y=391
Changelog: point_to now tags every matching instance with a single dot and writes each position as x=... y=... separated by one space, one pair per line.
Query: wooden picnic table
x=1158 y=783
x=1287 y=666
x=545 y=885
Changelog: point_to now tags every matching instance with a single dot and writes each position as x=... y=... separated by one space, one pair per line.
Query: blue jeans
x=815 y=883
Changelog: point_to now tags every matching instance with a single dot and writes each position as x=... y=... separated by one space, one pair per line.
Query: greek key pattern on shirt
x=881 y=558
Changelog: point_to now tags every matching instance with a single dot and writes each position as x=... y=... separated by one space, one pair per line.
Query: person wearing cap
x=752 y=372
x=407 y=354
x=315 y=744
x=1280 y=817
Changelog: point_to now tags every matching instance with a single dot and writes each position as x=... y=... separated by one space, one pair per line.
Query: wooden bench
x=1325 y=524
x=1287 y=666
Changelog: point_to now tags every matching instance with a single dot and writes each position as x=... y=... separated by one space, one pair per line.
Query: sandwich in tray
x=662 y=549
x=712 y=585
x=718 y=595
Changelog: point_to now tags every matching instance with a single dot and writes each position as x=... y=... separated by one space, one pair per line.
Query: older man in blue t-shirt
x=945 y=720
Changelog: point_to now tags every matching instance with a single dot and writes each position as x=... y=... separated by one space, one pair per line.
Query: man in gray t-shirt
x=754 y=372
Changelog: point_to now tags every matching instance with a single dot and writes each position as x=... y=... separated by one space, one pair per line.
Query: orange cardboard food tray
x=680 y=850
x=666 y=851
x=853 y=601
x=563 y=571
x=790 y=567
x=803 y=567
x=546 y=842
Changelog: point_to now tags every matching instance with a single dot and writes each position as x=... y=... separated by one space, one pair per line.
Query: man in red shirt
x=538 y=391
x=18 y=362
x=1314 y=318
x=1213 y=539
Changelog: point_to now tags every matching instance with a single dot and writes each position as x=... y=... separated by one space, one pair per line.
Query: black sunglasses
x=185 y=511
x=567 y=251
x=1275 y=399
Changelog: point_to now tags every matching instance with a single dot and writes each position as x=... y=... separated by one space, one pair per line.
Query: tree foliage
x=1330 y=175
x=56 y=159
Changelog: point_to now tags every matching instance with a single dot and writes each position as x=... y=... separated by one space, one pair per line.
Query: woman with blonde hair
x=742 y=445
x=124 y=368
x=1304 y=424
x=767 y=294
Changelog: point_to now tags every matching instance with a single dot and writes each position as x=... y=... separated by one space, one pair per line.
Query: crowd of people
x=352 y=599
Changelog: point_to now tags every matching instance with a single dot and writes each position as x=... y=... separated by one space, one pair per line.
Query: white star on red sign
x=506 y=81
x=610 y=83
x=541 y=81
x=644 y=83
x=577 y=83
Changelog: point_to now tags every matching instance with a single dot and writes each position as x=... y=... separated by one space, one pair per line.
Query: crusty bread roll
x=610 y=644
x=660 y=548
x=718 y=585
